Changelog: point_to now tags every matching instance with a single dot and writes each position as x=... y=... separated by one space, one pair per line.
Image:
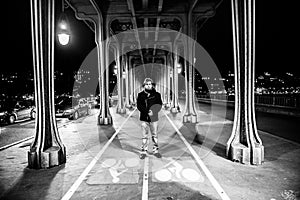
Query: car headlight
x=2 y=113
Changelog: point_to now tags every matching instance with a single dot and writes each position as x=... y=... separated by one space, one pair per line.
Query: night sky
x=275 y=36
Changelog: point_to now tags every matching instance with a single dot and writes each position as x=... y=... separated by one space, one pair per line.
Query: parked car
x=22 y=109
x=92 y=102
x=97 y=101
x=72 y=108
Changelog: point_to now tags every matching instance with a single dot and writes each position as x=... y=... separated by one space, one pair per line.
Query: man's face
x=148 y=85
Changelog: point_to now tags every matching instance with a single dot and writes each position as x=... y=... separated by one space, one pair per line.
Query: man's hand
x=150 y=113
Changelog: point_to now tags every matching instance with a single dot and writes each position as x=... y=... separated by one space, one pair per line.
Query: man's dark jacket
x=149 y=100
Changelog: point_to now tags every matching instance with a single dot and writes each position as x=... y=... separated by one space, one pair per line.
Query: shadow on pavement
x=176 y=191
x=105 y=133
x=193 y=137
x=34 y=184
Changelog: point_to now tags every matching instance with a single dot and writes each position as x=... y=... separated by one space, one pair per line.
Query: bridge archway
x=111 y=18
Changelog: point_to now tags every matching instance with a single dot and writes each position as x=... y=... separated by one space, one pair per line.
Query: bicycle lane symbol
x=116 y=171
x=170 y=170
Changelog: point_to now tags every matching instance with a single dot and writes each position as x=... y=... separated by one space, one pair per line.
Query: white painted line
x=208 y=174
x=22 y=120
x=215 y=122
x=77 y=183
x=25 y=139
x=201 y=112
x=29 y=122
x=145 y=180
x=15 y=143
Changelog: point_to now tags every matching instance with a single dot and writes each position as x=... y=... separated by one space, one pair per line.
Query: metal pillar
x=136 y=82
x=120 y=107
x=175 y=106
x=244 y=145
x=160 y=78
x=190 y=115
x=104 y=117
x=47 y=149
x=132 y=96
x=131 y=82
x=134 y=89
x=158 y=83
x=162 y=83
x=168 y=85
x=127 y=102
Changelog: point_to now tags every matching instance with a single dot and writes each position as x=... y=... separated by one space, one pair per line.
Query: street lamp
x=179 y=68
x=63 y=32
x=115 y=70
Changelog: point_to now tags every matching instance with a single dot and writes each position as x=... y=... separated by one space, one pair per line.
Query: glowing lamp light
x=63 y=30
x=63 y=25
x=179 y=69
x=63 y=38
x=115 y=70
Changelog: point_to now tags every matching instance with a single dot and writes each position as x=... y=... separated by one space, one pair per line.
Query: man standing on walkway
x=149 y=104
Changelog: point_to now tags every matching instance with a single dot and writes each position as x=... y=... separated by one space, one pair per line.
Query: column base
x=190 y=118
x=175 y=109
x=242 y=154
x=104 y=120
x=51 y=157
x=167 y=105
x=121 y=110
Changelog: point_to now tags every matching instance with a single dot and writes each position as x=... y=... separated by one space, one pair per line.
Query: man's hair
x=148 y=80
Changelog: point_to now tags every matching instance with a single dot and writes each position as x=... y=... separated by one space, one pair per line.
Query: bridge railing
x=268 y=100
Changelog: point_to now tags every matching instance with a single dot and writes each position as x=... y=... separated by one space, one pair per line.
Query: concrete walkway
x=103 y=163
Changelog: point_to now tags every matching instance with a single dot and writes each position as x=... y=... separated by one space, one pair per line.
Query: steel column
x=175 y=106
x=244 y=145
x=121 y=106
x=47 y=149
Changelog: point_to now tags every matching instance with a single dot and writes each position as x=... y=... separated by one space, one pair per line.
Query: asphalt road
x=21 y=130
x=280 y=125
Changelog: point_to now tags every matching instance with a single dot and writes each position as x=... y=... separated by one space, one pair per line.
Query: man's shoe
x=157 y=155
x=142 y=156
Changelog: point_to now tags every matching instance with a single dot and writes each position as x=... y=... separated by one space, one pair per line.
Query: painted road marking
x=15 y=143
x=77 y=183
x=215 y=122
x=29 y=122
x=179 y=170
x=145 y=179
x=116 y=171
x=208 y=174
x=28 y=138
